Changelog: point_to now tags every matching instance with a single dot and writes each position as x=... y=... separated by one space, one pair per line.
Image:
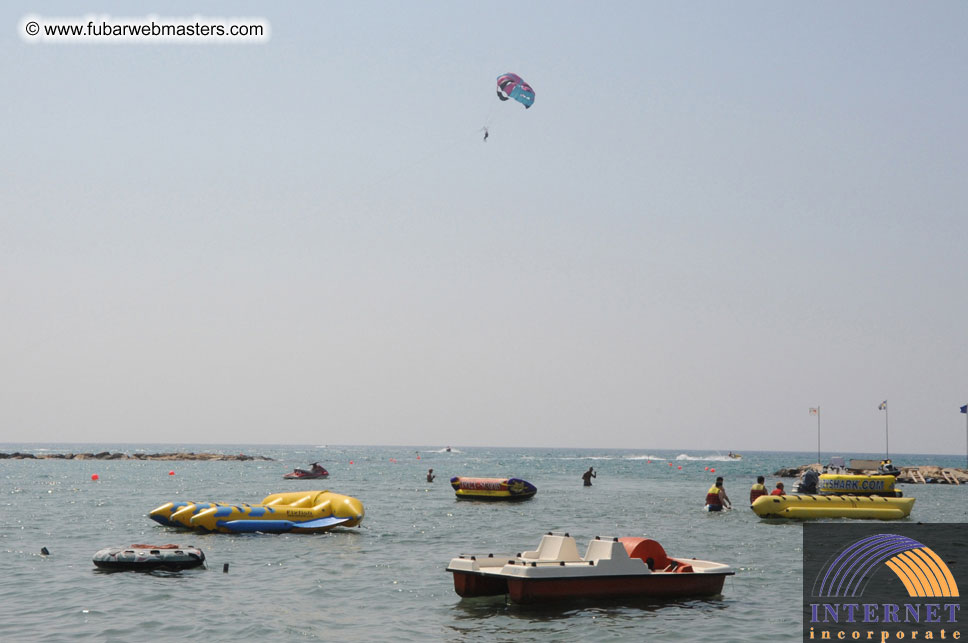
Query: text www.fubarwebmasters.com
x=149 y=29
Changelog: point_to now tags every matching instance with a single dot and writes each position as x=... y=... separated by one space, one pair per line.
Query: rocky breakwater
x=931 y=474
x=107 y=455
x=927 y=473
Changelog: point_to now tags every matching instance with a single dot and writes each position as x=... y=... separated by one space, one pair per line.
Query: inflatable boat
x=805 y=507
x=492 y=488
x=297 y=511
x=610 y=568
x=856 y=485
x=314 y=472
x=149 y=557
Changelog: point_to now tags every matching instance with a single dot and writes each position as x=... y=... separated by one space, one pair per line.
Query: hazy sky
x=715 y=216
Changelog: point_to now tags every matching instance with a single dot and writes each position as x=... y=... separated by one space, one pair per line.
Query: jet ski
x=887 y=468
x=314 y=472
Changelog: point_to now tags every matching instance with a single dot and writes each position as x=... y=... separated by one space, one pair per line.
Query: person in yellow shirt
x=757 y=489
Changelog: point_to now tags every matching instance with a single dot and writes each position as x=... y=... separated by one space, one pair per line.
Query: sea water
x=386 y=580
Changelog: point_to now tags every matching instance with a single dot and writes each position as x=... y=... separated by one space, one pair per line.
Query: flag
x=883 y=406
x=964 y=409
x=814 y=411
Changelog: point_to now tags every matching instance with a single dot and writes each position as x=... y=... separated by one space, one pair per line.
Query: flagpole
x=887 y=449
x=964 y=410
x=819 y=461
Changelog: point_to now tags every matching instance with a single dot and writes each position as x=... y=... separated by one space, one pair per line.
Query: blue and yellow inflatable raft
x=304 y=512
x=492 y=488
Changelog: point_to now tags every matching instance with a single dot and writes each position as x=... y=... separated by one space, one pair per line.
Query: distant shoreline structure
x=107 y=455
x=929 y=473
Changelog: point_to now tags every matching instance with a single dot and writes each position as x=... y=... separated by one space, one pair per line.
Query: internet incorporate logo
x=861 y=584
x=922 y=572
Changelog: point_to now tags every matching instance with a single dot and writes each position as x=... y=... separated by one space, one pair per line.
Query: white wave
x=705 y=458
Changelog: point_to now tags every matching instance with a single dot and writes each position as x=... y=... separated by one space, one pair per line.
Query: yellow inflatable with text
x=839 y=483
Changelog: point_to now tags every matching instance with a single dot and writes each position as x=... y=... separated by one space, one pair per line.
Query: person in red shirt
x=778 y=491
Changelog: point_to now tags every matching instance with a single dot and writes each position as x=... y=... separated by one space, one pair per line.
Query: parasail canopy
x=513 y=86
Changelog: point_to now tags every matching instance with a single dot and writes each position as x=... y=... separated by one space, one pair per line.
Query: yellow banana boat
x=804 y=507
x=297 y=511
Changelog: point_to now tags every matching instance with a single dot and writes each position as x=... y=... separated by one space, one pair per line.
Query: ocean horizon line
x=4 y=446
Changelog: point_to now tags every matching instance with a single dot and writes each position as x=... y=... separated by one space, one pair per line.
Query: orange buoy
x=712 y=471
x=95 y=476
x=171 y=473
x=680 y=467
